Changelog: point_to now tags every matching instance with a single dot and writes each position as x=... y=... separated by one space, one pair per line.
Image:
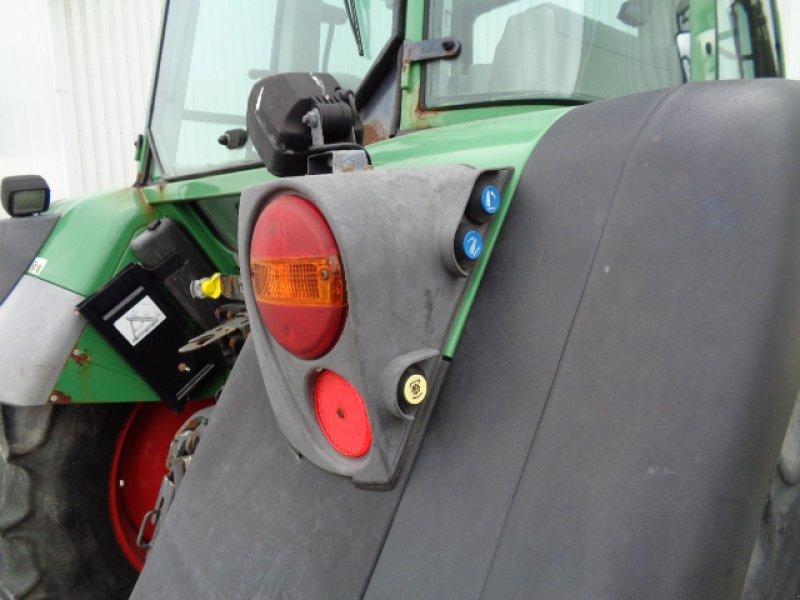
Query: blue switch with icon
x=472 y=245
x=490 y=199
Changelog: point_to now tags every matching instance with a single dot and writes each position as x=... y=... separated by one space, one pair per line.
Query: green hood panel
x=492 y=142
x=208 y=187
x=91 y=239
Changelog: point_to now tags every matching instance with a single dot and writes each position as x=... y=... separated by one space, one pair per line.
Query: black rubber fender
x=610 y=423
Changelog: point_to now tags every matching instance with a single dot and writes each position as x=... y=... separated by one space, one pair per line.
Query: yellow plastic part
x=211 y=287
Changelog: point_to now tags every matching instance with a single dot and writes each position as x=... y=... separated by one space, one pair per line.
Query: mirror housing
x=292 y=116
x=24 y=195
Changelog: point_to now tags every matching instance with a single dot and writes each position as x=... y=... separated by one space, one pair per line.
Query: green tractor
x=523 y=312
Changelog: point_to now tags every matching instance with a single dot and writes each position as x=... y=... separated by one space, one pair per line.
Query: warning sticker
x=140 y=320
x=37 y=266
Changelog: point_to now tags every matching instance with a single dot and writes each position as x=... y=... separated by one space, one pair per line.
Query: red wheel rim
x=138 y=467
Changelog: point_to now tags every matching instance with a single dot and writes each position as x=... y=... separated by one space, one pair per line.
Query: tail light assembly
x=356 y=279
x=297 y=277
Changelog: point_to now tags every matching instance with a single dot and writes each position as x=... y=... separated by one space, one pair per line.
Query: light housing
x=393 y=234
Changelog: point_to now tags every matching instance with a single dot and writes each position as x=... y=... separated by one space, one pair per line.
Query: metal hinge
x=448 y=47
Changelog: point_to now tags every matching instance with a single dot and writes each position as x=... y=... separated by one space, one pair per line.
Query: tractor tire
x=56 y=537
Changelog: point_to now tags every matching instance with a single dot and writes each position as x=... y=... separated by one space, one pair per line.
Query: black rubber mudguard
x=610 y=423
x=20 y=240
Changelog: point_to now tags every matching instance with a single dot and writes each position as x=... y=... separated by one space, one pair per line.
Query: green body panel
x=99 y=374
x=90 y=241
x=211 y=186
x=487 y=143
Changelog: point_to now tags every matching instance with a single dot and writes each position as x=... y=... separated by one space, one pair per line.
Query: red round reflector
x=342 y=415
x=297 y=275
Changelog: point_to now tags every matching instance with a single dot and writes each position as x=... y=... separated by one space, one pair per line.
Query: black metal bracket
x=425 y=50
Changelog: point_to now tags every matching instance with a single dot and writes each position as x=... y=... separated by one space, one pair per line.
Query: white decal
x=37 y=266
x=140 y=320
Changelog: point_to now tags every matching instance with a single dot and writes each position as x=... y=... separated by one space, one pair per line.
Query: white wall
x=104 y=57
x=75 y=78
x=30 y=141
x=790 y=16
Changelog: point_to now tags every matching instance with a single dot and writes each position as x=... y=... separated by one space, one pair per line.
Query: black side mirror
x=24 y=195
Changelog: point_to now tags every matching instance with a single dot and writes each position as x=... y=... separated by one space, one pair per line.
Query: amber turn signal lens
x=315 y=281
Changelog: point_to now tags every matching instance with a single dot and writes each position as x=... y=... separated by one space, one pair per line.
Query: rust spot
x=58 y=398
x=423 y=117
x=79 y=358
x=191 y=425
x=147 y=208
x=374 y=131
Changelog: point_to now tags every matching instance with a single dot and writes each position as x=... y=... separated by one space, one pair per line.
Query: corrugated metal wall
x=29 y=138
x=76 y=78
x=790 y=20
x=104 y=72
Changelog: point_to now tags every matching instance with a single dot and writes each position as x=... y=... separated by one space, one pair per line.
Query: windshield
x=213 y=52
x=580 y=50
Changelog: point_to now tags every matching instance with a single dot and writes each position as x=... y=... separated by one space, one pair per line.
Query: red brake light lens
x=298 y=277
x=342 y=415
